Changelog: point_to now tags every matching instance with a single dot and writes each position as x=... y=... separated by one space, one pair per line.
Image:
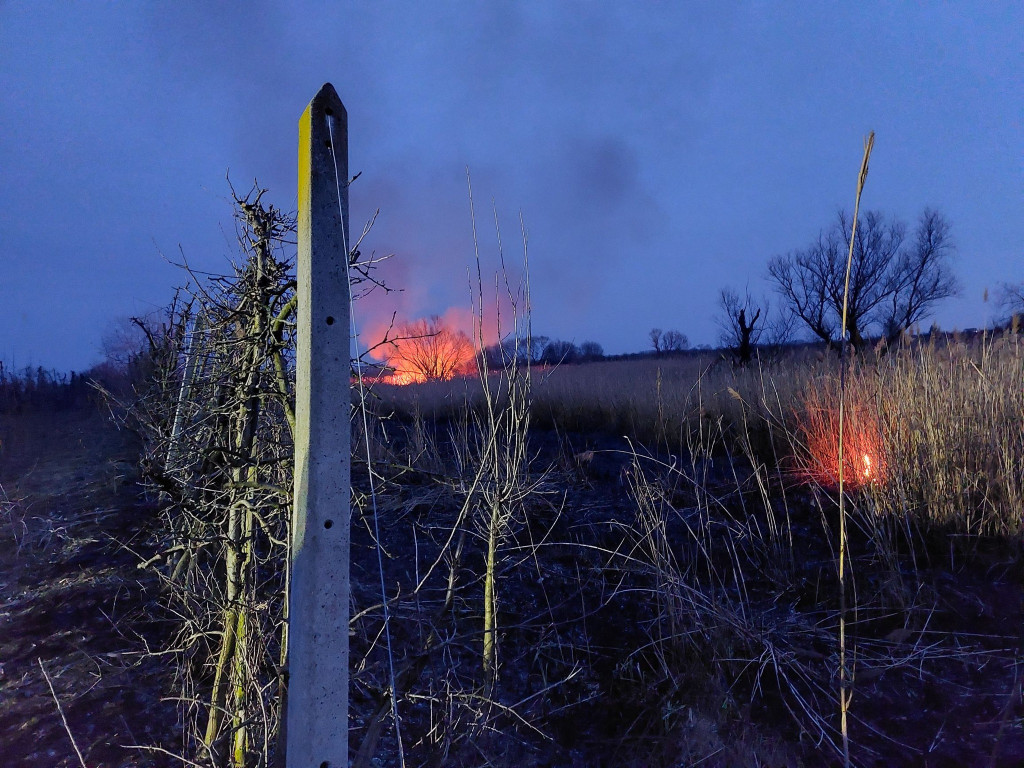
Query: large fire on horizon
x=428 y=349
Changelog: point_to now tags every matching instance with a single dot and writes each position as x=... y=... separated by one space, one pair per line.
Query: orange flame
x=410 y=358
x=429 y=349
x=863 y=455
x=402 y=378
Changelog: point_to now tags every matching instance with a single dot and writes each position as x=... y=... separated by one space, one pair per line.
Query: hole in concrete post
x=330 y=320
x=325 y=764
x=328 y=524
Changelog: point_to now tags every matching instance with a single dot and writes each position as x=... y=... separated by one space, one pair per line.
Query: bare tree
x=558 y=351
x=674 y=341
x=738 y=320
x=1011 y=302
x=429 y=350
x=591 y=350
x=803 y=278
x=894 y=282
x=655 y=336
x=536 y=347
x=921 y=274
x=217 y=447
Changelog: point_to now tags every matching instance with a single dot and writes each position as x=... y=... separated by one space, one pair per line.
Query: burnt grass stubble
x=577 y=623
x=940 y=628
x=73 y=519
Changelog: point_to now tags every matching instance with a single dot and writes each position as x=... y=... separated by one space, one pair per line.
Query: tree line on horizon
x=897 y=276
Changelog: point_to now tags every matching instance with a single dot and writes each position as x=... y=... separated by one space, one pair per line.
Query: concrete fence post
x=317 y=706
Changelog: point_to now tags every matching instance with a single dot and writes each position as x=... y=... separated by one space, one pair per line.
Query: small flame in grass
x=863 y=456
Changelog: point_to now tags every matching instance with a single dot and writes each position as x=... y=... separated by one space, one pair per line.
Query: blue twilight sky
x=657 y=151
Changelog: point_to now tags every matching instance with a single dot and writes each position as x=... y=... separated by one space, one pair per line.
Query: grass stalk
x=60 y=711
x=845 y=675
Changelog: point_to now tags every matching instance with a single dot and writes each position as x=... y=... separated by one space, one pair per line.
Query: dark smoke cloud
x=655 y=152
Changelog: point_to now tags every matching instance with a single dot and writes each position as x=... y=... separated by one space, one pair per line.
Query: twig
x=162 y=751
x=60 y=710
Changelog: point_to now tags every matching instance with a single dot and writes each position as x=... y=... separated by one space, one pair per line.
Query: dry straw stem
x=502 y=451
x=63 y=719
x=845 y=675
x=483 y=479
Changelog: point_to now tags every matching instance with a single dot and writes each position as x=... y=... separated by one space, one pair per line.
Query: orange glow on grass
x=863 y=455
x=403 y=378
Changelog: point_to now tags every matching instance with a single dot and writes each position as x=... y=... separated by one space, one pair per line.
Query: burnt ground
x=937 y=638
x=937 y=633
x=939 y=687
x=72 y=597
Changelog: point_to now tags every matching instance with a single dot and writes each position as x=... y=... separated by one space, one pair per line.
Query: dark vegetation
x=628 y=563
x=38 y=389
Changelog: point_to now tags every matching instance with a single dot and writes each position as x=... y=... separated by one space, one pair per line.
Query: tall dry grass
x=952 y=425
x=729 y=471
x=934 y=430
x=935 y=433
